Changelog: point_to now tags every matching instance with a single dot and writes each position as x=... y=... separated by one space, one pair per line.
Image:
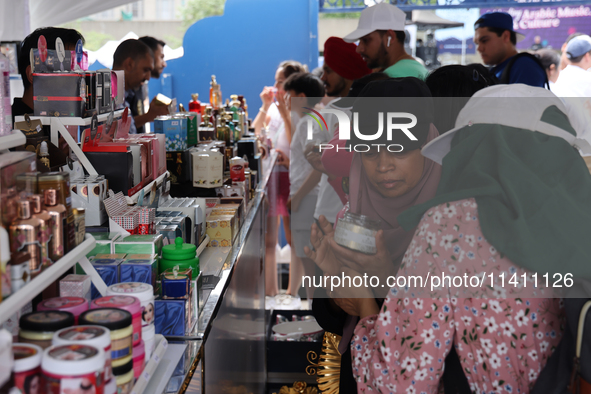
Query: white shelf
x=201 y=247
x=133 y=199
x=16 y=301
x=71 y=121
x=17 y=138
x=161 y=376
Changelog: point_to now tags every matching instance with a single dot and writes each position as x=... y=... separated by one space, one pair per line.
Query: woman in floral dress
x=512 y=203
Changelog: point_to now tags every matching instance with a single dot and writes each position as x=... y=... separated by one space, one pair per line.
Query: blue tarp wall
x=242 y=48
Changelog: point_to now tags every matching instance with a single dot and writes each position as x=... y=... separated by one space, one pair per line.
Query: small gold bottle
x=223 y=131
x=46 y=230
x=206 y=128
x=60 y=218
x=24 y=236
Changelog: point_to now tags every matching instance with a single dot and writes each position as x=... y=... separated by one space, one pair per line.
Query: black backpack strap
x=506 y=74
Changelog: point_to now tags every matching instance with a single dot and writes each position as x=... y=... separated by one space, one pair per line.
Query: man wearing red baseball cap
x=342 y=65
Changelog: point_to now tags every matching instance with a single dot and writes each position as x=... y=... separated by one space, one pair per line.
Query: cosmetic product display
x=148 y=333
x=139 y=359
x=119 y=322
x=19 y=267
x=74 y=367
x=24 y=236
x=96 y=336
x=74 y=305
x=108 y=269
x=143 y=270
x=143 y=292
x=174 y=284
x=27 y=366
x=357 y=232
x=59 y=234
x=127 y=303
x=180 y=255
x=141 y=214
x=47 y=225
x=75 y=285
x=79 y=224
x=124 y=375
x=37 y=328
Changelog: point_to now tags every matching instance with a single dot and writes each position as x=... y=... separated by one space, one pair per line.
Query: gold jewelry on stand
x=328 y=369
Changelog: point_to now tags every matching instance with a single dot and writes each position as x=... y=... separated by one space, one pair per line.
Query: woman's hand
x=314 y=158
x=379 y=264
x=267 y=96
x=322 y=254
x=356 y=301
x=361 y=307
x=282 y=159
x=282 y=107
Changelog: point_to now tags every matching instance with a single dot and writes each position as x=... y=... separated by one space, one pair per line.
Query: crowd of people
x=495 y=182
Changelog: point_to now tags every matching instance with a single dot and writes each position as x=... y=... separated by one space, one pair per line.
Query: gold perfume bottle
x=206 y=128
x=46 y=230
x=60 y=228
x=24 y=236
x=215 y=93
x=223 y=132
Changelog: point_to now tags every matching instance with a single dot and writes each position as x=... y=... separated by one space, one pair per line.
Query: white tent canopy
x=104 y=55
x=20 y=17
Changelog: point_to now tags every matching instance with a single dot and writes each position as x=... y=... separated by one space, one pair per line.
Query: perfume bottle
x=24 y=236
x=235 y=107
x=10 y=206
x=44 y=154
x=237 y=130
x=206 y=128
x=60 y=228
x=215 y=93
x=46 y=230
x=4 y=259
x=223 y=132
x=194 y=104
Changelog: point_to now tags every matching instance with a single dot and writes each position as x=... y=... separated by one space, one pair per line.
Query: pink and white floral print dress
x=503 y=334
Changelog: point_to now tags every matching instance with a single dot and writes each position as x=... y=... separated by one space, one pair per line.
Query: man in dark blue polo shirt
x=495 y=40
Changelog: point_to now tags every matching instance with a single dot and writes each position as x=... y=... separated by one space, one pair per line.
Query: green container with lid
x=181 y=254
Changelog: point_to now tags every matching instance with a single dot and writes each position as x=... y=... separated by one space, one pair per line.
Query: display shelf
x=17 y=138
x=133 y=199
x=16 y=301
x=151 y=370
x=71 y=121
x=202 y=246
x=58 y=126
x=165 y=371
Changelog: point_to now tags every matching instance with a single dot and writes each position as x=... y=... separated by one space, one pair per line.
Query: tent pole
x=463 y=51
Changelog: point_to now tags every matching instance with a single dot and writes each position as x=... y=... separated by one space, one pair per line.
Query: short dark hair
x=152 y=42
x=305 y=83
x=547 y=57
x=578 y=58
x=131 y=48
x=459 y=82
x=573 y=36
x=68 y=36
x=499 y=32
x=290 y=67
x=400 y=35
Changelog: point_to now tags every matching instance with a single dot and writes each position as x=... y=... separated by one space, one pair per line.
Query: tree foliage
x=195 y=10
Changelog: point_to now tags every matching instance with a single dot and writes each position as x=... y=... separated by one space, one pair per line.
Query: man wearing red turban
x=342 y=65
